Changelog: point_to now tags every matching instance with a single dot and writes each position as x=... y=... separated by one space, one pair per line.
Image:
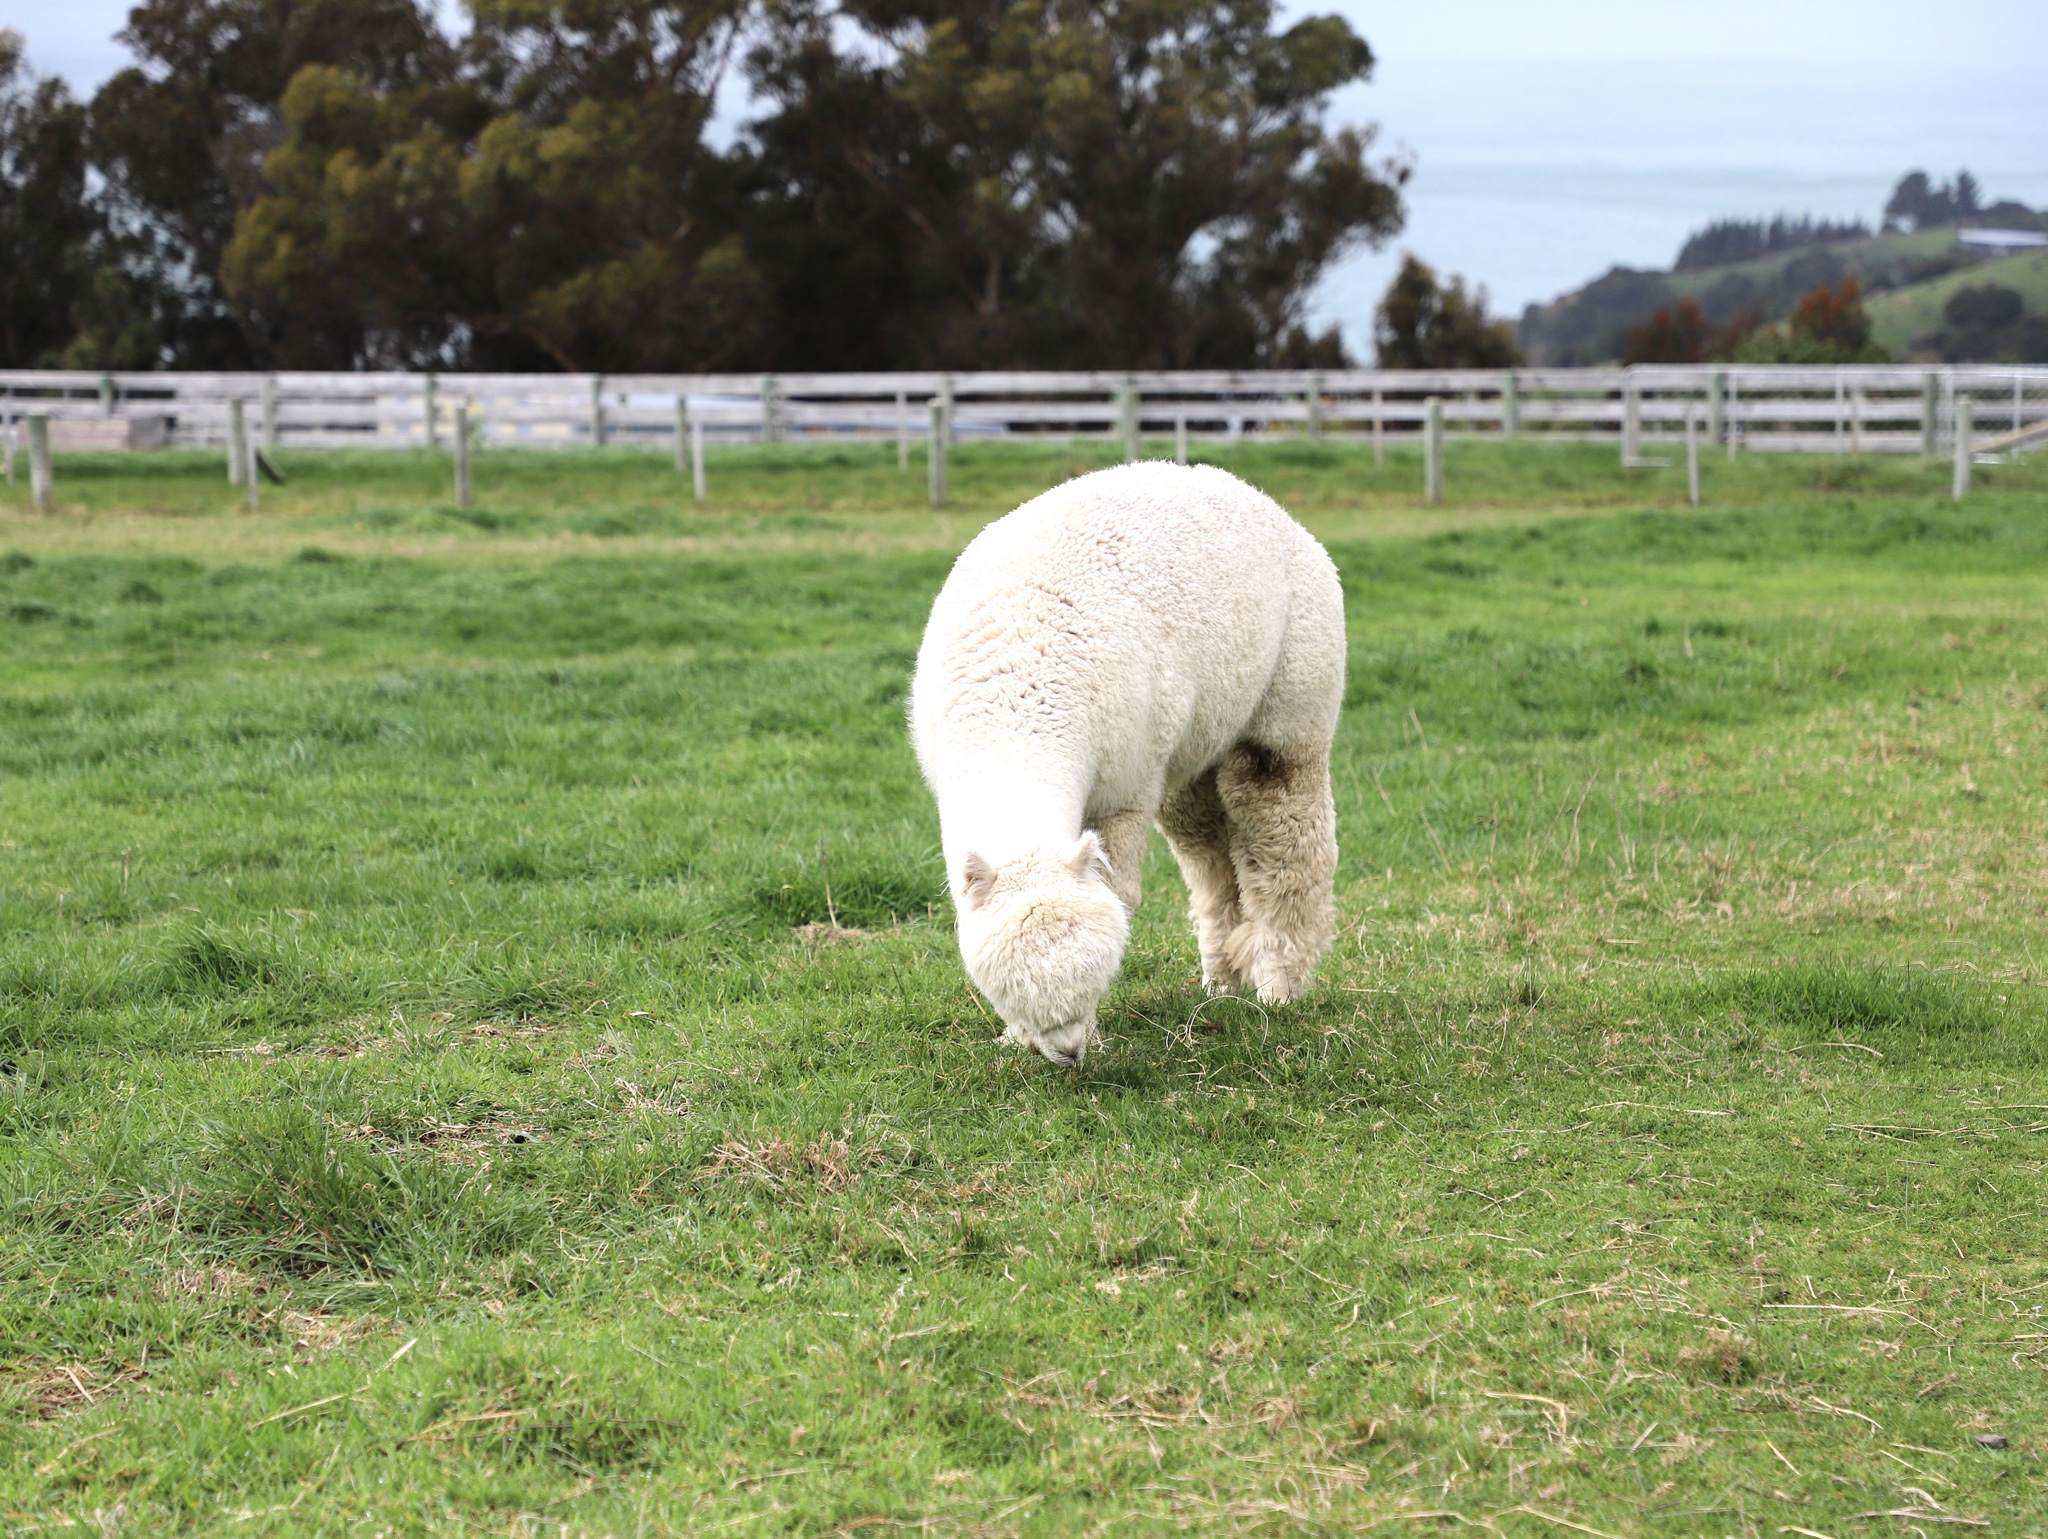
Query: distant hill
x=1935 y=319
x=1909 y=280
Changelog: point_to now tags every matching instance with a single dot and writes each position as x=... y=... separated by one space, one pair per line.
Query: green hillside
x=1906 y=280
x=1881 y=261
x=1899 y=317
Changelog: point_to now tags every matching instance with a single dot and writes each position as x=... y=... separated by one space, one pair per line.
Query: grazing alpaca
x=1149 y=643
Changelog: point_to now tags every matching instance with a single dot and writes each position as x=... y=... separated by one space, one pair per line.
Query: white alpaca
x=1147 y=643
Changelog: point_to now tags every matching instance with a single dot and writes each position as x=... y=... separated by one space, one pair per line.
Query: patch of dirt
x=515 y=1031
x=670 y=1102
x=1277 y=1412
x=456 y=1142
x=1726 y=1355
x=773 y=1161
x=1115 y=1285
x=1154 y=1407
x=319 y=1332
x=151 y=1207
x=484 y=1130
x=830 y=934
x=770 y=1160
x=60 y=1389
x=211 y=1282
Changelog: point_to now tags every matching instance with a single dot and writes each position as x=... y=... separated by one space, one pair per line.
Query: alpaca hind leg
x=1193 y=820
x=1283 y=843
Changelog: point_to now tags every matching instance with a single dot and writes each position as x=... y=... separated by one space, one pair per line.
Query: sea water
x=1532 y=178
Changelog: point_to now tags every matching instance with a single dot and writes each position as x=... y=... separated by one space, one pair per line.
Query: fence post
x=1315 y=406
x=1961 y=485
x=462 y=455
x=597 y=411
x=252 y=476
x=1631 y=424
x=270 y=411
x=107 y=394
x=1717 y=382
x=1511 y=405
x=1692 y=458
x=771 y=427
x=41 y=484
x=427 y=402
x=1856 y=418
x=238 y=442
x=936 y=456
x=697 y=458
x=682 y=431
x=1180 y=437
x=902 y=431
x=1433 y=449
x=1379 y=428
x=946 y=400
x=1734 y=427
x=1128 y=412
x=1930 y=413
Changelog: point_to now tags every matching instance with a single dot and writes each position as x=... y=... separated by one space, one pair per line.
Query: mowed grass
x=437 y=1098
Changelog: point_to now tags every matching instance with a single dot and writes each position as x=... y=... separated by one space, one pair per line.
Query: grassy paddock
x=431 y=1105
x=624 y=501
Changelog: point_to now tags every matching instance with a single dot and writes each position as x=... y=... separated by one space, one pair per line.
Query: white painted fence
x=1861 y=409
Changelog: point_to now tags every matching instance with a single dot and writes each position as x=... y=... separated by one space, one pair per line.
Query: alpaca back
x=1119 y=631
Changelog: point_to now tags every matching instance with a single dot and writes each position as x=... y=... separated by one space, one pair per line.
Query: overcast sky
x=1820 y=33
x=73 y=37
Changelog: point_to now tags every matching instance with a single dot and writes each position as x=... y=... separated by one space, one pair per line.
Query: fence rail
x=1859 y=409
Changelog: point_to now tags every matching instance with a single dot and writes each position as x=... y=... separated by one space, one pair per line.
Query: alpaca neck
x=1001 y=815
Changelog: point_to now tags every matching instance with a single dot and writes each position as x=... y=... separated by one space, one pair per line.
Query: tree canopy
x=1148 y=185
x=996 y=183
x=1917 y=202
x=1424 y=324
x=1740 y=240
x=45 y=221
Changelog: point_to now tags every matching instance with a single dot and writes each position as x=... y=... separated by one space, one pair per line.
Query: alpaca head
x=1042 y=936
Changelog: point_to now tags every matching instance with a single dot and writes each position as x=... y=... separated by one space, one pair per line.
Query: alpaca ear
x=977 y=880
x=1089 y=855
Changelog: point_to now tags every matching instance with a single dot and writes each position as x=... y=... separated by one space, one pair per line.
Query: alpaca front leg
x=1123 y=835
x=1198 y=832
x=1283 y=844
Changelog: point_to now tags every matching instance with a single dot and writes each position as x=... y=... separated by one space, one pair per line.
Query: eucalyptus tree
x=46 y=221
x=1048 y=181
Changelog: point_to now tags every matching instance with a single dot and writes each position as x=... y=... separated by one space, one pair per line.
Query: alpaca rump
x=1152 y=644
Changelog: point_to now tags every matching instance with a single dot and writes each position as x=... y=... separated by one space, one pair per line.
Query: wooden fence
x=1860 y=409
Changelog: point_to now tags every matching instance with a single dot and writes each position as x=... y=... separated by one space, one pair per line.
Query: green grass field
x=436 y=1098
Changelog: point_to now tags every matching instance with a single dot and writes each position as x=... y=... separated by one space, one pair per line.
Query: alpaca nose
x=1066 y=1045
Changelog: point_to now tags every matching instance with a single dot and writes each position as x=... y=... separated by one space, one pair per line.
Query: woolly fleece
x=1150 y=644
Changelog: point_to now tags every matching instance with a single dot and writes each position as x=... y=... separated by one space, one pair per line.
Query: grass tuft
x=1925 y=1019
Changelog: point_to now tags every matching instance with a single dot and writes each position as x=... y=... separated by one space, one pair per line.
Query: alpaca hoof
x=1276 y=971
x=1283 y=977
x=1278 y=991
